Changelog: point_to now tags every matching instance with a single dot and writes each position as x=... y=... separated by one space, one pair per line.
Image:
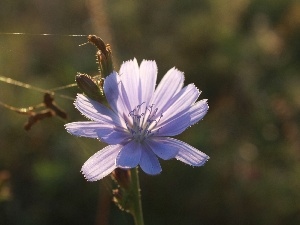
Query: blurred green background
x=244 y=55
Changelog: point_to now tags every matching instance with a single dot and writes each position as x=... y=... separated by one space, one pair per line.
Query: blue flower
x=140 y=119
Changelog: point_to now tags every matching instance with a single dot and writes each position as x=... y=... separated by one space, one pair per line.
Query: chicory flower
x=139 y=121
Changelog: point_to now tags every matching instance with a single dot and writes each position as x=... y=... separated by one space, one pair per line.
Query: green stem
x=137 y=211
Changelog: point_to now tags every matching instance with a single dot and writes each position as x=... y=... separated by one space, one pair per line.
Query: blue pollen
x=142 y=123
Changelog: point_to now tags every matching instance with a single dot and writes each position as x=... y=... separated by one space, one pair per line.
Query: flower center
x=142 y=122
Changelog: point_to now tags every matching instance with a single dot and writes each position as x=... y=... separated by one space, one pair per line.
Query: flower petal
x=111 y=90
x=130 y=155
x=101 y=163
x=148 y=76
x=116 y=95
x=176 y=118
x=105 y=132
x=162 y=148
x=198 y=111
x=188 y=154
x=180 y=103
x=116 y=136
x=95 y=110
x=84 y=129
x=130 y=80
x=149 y=162
x=173 y=127
x=170 y=85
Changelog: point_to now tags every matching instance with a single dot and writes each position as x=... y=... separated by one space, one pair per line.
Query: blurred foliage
x=244 y=55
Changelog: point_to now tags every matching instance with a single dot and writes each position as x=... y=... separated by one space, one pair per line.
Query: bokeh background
x=244 y=55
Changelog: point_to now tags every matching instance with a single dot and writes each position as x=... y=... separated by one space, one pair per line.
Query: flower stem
x=137 y=211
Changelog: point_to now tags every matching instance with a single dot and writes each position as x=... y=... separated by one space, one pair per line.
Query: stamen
x=142 y=122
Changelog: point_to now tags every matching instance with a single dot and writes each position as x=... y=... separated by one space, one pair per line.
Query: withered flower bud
x=103 y=55
x=89 y=87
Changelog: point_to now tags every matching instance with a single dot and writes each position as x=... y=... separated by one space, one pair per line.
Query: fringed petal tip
x=78 y=97
x=178 y=72
x=198 y=111
x=205 y=107
x=85 y=177
x=92 y=179
x=148 y=61
x=130 y=61
x=67 y=127
x=89 y=177
x=204 y=104
x=205 y=101
x=76 y=104
x=175 y=69
x=202 y=162
x=205 y=159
